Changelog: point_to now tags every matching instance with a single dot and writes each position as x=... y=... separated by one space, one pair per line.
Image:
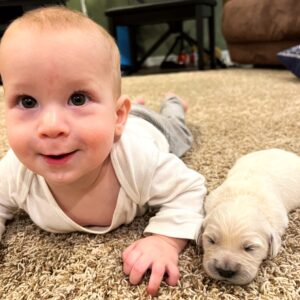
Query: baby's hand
x=156 y=252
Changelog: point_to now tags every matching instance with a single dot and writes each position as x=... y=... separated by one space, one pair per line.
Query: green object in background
x=95 y=9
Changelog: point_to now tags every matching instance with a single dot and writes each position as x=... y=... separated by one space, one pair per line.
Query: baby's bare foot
x=185 y=105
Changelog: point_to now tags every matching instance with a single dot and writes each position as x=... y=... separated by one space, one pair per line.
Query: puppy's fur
x=247 y=215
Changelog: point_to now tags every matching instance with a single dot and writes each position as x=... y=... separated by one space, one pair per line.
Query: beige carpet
x=231 y=113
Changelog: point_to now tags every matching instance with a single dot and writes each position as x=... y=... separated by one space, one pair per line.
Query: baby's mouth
x=59 y=157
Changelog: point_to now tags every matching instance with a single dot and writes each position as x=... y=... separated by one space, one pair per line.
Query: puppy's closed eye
x=251 y=247
x=209 y=239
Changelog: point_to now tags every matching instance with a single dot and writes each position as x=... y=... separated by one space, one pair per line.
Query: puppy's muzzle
x=226 y=273
x=226 y=269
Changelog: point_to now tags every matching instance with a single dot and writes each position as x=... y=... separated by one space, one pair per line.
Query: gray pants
x=170 y=121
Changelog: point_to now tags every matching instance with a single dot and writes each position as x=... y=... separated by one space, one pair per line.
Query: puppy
x=247 y=215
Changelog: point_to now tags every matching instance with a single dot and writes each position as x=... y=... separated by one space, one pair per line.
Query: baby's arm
x=158 y=253
x=178 y=192
x=8 y=179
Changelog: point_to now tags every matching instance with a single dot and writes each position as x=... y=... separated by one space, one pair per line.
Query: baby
x=73 y=164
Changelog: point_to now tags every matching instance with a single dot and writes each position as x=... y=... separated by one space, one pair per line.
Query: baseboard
x=155 y=61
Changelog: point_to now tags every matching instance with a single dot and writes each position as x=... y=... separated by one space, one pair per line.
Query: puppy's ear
x=274 y=244
x=199 y=238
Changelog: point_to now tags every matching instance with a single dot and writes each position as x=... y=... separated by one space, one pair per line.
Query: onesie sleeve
x=8 y=171
x=178 y=192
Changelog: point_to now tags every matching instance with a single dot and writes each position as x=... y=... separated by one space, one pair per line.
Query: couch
x=256 y=30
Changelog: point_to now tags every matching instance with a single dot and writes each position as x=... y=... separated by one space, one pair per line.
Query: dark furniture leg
x=211 y=29
x=154 y=47
x=199 y=37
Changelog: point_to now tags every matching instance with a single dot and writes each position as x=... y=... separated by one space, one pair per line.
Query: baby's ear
x=274 y=243
x=123 y=106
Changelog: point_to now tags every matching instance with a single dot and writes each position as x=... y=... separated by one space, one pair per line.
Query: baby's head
x=32 y=29
x=62 y=87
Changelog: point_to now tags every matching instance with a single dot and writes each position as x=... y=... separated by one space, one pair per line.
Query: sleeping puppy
x=247 y=215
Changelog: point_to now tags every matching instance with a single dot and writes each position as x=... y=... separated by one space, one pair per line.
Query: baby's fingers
x=157 y=274
x=173 y=275
x=139 y=269
x=130 y=256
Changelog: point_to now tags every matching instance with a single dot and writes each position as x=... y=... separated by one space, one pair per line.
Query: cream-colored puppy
x=247 y=215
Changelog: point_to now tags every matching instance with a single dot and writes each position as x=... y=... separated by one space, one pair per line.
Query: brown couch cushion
x=258 y=53
x=256 y=30
x=261 y=20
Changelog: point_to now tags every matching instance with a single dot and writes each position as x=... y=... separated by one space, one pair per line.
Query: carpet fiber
x=232 y=112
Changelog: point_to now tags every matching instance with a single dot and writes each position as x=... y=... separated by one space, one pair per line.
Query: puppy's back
x=279 y=167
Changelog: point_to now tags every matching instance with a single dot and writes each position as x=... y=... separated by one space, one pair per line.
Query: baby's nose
x=53 y=123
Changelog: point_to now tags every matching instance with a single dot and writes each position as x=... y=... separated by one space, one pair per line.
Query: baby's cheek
x=19 y=140
x=14 y=139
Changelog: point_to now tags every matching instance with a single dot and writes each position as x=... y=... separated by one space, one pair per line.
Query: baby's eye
x=27 y=102
x=78 y=99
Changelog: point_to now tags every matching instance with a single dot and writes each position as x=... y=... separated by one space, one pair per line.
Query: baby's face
x=61 y=112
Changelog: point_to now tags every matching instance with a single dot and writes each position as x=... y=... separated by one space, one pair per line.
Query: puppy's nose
x=226 y=273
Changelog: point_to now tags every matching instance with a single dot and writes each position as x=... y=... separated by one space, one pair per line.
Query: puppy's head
x=235 y=240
